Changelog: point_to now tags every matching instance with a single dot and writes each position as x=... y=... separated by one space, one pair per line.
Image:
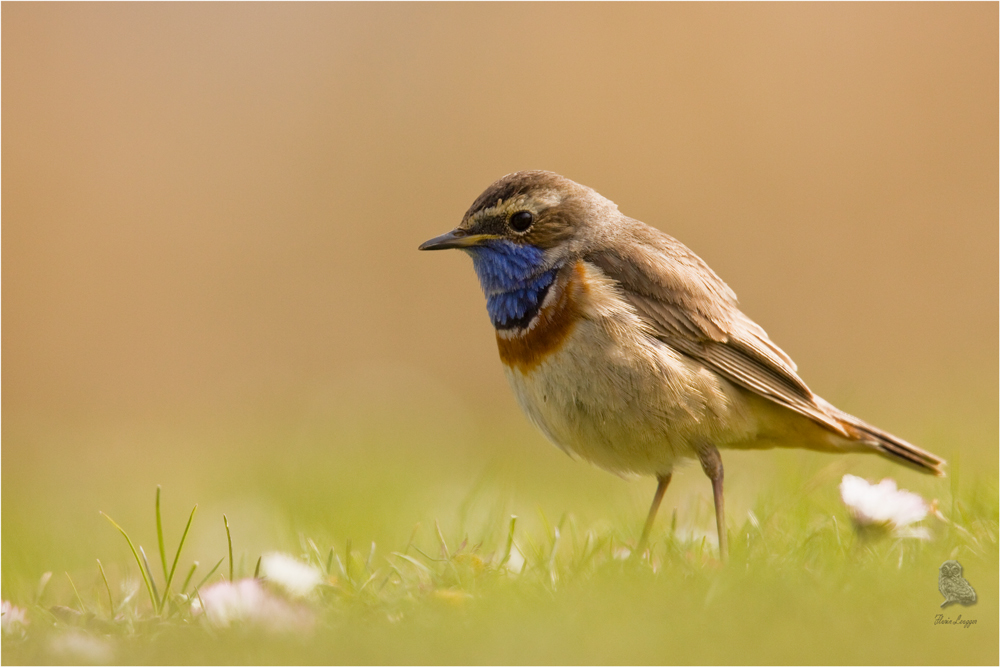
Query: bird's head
x=525 y=224
x=951 y=568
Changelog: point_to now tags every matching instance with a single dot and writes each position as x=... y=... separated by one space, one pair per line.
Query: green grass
x=421 y=560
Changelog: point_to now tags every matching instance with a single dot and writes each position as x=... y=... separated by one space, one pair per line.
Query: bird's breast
x=525 y=348
x=588 y=373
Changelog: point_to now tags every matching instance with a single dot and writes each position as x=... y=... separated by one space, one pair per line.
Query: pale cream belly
x=629 y=403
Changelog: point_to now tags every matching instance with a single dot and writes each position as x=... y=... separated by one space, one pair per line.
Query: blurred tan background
x=211 y=211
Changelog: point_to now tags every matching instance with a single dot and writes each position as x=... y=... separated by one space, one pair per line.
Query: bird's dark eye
x=521 y=220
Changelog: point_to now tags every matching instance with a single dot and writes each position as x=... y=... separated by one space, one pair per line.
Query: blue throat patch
x=512 y=278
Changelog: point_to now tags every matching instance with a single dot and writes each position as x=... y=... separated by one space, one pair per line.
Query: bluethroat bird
x=628 y=351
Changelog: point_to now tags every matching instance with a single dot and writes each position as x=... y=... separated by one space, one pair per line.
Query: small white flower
x=226 y=603
x=881 y=504
x=13 y=619
x=298 y=579
x=246 y=602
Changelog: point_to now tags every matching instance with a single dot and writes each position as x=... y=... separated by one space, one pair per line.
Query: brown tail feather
x=893 y=448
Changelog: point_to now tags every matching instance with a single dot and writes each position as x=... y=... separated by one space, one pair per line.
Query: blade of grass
x=392 y=570
x=510 y=541
x=83 y=608
x=423 y=572
x=412 y=536
x=107 y=586
x=538 y=559
x=413 y=561
x=368 y=581
x=430 y=558
x=340 y=565
x=43 y=583
x=159 y=539
x=135 y=554
x=371 y=556
x=210 y=573
x=201 y=602
x=177 y=556
x=152 y=582
x=129 y=592
x=545 y=523
x=444 y=545
x=229 y=538
x=256 y=570
x=553 y=569
x=187 y=579
x=315 y=550
x=587 y=557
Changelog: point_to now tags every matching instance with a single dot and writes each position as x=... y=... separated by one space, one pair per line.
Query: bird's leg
x=711 y=463
x=661 y=488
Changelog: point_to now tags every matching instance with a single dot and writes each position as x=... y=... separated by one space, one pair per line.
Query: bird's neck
x=515 y=279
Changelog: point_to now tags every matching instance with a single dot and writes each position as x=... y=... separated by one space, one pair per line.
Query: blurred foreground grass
x=349 y=494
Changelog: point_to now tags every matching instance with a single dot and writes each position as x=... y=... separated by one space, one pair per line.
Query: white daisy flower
x=247 y=602
x=883 y=505
x=296 y=578
x=13 y=619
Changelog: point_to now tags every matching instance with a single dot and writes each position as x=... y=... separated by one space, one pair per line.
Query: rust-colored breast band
x=528 y=348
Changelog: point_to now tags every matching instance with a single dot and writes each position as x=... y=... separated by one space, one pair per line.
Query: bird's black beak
x=456 y=238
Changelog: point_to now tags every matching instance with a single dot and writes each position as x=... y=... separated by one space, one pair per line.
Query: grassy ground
x=411 y=528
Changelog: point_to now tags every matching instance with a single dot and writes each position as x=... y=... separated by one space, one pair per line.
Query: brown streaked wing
x=692 y=310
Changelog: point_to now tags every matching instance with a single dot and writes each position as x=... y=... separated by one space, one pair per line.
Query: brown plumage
x=692 y=310
x=627 y=350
